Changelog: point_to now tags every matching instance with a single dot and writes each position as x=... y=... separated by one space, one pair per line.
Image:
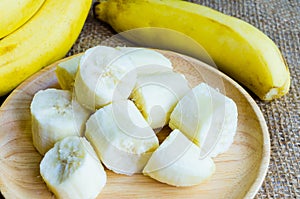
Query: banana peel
x=45 y=38
x=15 y=13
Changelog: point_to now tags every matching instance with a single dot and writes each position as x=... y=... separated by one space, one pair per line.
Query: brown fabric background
x=280 y=20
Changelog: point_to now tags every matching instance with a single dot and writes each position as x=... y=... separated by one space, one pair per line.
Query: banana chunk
x=54 y=116
x=206 y=117
x=157 y=94
x=176 y=162
x=66 y=72
x=121 y=137
x=146 y=57
x=105 y=75
x=72 y=170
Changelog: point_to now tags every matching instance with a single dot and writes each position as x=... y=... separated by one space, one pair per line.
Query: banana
x=15 y=13
x=72 y=170
x=54 y=116
x=206 y=117
x=105 y=74
x=238 y=48
x=121 y=137
x=66 y=72
x=158 y=88
x=45 y=38
x=142 y=57
x=157 y=94
x=176 y=162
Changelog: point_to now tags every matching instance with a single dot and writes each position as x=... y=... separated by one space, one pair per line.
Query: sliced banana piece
x=156 y=94
x=66 y=72
x=121 y=137
x=54 y=116
x=105 y=75
x=142 y=57
x=208 y=118
x=177 y=162
x=72 y=170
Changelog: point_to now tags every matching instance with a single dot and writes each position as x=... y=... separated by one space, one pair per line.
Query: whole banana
x=14 y=13
x=45 y=38
x=238 y=48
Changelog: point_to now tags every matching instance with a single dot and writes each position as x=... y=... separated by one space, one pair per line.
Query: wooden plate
x=239 y=172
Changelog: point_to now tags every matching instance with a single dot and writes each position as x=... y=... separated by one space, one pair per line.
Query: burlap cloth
x=280 y=20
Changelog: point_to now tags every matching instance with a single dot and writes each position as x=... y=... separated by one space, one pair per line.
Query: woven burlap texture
x=280 y=20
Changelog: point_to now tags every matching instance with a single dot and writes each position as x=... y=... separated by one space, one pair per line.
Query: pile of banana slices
x=112 y=104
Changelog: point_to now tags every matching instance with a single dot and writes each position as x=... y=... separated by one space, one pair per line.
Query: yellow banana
x=14 y=13
x=238 y=49
x=45 y=38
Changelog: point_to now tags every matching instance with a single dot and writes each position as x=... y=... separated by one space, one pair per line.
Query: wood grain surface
x=239 y=172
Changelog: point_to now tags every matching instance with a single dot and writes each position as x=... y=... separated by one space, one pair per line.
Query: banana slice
x=206 y=117
x=66 y=72
x=121 y=137
x=158 y=88
x=105 y=75
x=157 y=94
x=176 y=162
x=54 y=116
x=72 y=170
x=146 y=57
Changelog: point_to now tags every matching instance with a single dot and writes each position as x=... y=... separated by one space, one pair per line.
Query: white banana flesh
x=55 y=116
x=72 y=170
x=157 y=94
x=206 y=117
x=142 y=57
x=105 y=75
x=66 y=72
x=176 y=162
x=121 y=137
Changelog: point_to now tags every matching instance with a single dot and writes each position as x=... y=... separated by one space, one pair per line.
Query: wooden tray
x=239 y=172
